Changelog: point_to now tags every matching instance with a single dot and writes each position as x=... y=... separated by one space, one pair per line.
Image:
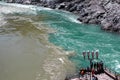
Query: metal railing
x=94 y=55
x=113 y=72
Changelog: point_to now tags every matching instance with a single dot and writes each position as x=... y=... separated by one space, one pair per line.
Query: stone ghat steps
x=102 y=76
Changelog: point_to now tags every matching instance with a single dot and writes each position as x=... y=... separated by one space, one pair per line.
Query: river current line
x=63 y=30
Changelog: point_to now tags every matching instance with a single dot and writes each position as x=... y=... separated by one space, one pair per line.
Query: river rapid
x=25 y=52
x=39 y=43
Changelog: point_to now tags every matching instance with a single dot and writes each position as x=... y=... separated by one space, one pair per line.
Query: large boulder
x=68 y=6
x=9 y=1
x=56 y=1
x=26 y=1
x=73 y=8
x=61 y=6
x=116 y=28
x=118 y=1
x=106 y=25
x=19 y=1
x=79 y=7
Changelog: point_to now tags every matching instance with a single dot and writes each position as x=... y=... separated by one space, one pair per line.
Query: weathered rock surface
x=103 y=12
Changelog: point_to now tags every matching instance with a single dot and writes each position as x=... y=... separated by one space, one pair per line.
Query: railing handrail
x=116 y=74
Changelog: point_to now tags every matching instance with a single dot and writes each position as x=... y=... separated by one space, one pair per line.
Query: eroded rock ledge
x=102 y=12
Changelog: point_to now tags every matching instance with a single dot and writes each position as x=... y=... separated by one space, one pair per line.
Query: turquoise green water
x=73 y=36
x=31 y=39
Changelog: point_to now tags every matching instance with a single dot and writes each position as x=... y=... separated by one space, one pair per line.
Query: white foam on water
x=61 y=60
x=7 y=8
x=57 y=63
x=2 y=21
x=20 y=8
x=66 y=15
x=10 y=10
x=97 y=50
x=43 y=8
x=118 y=66
x=72 y=19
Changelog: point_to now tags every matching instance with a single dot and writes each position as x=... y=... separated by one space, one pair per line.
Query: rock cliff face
x=103 y=12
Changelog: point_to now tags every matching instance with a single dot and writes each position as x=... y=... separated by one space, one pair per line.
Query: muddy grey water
x=42 y=44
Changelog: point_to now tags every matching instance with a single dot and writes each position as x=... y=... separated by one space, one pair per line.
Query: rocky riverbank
x=102 y=12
